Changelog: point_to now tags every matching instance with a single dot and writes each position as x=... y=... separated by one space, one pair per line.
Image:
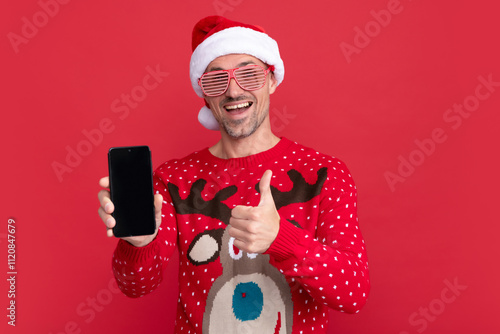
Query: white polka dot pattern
x=319 y=248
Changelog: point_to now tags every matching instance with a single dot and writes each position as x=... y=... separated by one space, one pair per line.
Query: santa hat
x=216 y=36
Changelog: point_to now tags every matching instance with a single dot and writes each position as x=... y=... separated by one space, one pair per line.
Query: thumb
x=266 y=196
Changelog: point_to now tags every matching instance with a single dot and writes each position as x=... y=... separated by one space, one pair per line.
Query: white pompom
x=207 y=119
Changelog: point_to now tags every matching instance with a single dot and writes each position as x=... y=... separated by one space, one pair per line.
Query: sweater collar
x=251 y=160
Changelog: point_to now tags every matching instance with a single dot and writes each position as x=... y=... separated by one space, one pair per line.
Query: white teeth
x=242 y=105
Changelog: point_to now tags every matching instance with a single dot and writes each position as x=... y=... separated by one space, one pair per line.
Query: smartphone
x=131 y=188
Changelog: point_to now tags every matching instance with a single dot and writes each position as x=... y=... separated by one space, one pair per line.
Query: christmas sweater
x=317 y=261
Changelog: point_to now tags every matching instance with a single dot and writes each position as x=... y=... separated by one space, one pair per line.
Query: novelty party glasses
x=251 y=77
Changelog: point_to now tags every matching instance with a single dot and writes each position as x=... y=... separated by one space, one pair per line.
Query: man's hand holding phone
x=107 y=207
x=129 y=208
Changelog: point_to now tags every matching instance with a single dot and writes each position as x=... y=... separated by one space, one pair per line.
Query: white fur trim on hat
x=235 y=40
x=207 y=119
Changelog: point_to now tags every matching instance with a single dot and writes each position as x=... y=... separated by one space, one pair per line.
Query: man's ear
x=273 y=83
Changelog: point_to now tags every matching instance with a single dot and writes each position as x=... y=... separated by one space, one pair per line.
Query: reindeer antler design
x=301 y=191
x=195 y=203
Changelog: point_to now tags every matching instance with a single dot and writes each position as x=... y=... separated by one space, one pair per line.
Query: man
x=266 y=228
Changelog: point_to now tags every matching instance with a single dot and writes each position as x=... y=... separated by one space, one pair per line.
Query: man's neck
x=228 y=147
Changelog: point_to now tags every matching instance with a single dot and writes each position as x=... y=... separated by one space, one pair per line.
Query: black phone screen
x=131 y=188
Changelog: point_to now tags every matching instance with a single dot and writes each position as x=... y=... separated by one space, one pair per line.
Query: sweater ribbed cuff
x=131 y=254
x=287 y=242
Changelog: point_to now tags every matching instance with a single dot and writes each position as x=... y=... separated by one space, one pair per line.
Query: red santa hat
x=216 y=36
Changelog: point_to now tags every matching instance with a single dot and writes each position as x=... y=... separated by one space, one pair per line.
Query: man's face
x=239 y=112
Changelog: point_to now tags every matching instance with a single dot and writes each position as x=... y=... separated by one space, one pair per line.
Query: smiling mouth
x=238 y=107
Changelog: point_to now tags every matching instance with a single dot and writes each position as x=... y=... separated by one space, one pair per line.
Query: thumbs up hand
x=255 y=228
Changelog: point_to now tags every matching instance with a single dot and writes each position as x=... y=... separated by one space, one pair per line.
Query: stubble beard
x=254 y=122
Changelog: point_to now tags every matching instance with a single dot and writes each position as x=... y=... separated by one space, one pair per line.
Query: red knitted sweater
x=318 y=259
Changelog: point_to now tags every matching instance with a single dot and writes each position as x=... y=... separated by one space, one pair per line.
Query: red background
x=440 y=225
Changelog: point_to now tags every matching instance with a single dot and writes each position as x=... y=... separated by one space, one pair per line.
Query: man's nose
x=234 y=90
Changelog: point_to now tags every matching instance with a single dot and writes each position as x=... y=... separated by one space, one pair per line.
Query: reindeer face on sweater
x=251 y=295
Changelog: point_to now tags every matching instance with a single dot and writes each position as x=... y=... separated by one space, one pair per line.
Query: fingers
x=109 y=233
x=242 y=224
x=158 y=200
x=108 y=220
x=250 y=237
x=265 y=181
x=106 y=206
x=104 y=182
x=242 y=212
x=266 y=196
x=256 y=228
x=105 y=201
x=237 y=234
x=104 y=196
